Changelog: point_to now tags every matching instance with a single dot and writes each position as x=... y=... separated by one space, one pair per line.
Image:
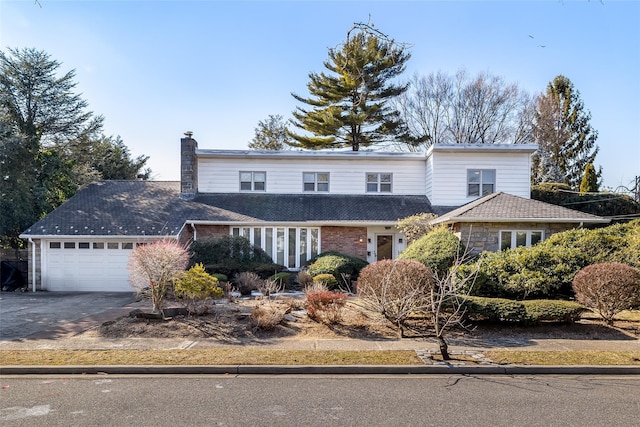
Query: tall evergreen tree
x=349 y=105
x=562 y=127
x=50 y=144
x=271 y=134
x=589 y=183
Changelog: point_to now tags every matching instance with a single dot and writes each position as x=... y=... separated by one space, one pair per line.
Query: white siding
x=449 y=176
x=346 y=176
x=429 y=179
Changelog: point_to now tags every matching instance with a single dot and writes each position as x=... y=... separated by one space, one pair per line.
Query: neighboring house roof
x=153 y=208
x=503 y=207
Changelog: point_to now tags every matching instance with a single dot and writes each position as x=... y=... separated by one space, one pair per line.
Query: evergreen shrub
x=438 y=250
x=230 y=255
x=336 y=264
x=497 y=310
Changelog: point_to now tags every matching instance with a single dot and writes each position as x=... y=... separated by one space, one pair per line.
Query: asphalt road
x=321 y=401
x=23 y=314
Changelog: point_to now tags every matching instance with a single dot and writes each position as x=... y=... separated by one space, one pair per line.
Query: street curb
x=319 y=370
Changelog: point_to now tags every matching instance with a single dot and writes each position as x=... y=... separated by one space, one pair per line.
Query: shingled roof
x=154 y=208
x=503 y=207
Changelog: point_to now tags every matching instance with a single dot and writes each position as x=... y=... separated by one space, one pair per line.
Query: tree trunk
x=444 y=348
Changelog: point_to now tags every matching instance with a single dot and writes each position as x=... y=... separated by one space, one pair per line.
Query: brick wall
x=347 y=240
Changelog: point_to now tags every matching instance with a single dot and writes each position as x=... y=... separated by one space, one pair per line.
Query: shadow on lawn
x=492 y=335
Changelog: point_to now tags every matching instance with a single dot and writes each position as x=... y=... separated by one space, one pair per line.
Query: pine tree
x=561 y=127
x=589 y=183
x=349 y=104
x=271 y=134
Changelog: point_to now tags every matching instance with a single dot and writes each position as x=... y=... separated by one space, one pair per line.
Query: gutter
x=232 y=223
x=581 y=222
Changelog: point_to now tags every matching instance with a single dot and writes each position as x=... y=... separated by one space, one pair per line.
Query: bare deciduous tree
x=156 y=266
x=445 y=306
x=396 y=289
x=459 y=109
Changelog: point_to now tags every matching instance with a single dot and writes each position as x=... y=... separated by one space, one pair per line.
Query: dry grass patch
x=565 y=358
x=205 y=357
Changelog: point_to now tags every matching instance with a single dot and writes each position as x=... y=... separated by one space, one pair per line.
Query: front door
x=384 y=245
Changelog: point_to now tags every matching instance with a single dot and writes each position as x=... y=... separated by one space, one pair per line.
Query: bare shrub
x=267 y=317
x=270 y=287
x=304 y=279
x=395 y=288
x=247 y=281
x=315 y=287
x=156 y=266
x=326 y=306
x=608 y=288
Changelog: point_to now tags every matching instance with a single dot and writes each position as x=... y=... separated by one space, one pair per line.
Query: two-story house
x=294 y=205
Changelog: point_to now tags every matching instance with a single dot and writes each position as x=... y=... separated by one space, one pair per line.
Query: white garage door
x=84 y=265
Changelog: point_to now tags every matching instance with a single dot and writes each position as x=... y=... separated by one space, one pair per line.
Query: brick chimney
x=188 y=166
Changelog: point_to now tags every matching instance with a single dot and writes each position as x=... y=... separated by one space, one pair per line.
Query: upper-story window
x=253 y=181
x=481 y=182
x=315 y=181
x=379 y=182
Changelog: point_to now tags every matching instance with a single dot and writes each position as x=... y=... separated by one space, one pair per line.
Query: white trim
x=514 y=237
x=350 y=154
x=336 y=223
x=446 y=220
x=100 y=236
x=479 y=148
x=285 y=247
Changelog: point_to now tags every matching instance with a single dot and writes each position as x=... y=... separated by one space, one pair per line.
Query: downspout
x=195 y=232
x=33 y=264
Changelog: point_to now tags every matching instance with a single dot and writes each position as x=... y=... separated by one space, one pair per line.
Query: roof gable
x=503 y=207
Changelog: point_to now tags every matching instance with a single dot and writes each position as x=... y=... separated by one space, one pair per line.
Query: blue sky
x=156 y=69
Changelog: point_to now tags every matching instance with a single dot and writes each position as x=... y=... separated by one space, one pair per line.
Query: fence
x=18 y=259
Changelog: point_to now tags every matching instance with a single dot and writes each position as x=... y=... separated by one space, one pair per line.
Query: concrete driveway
x=45 y=314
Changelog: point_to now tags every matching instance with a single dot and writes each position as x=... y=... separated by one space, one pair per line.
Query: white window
x=288 y=246
x=379 y=182
x=315 y=181
x=514 y=238
x=253 y=181
x=54 y=245
x=480 y=182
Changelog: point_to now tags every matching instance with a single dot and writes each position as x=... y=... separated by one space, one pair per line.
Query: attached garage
x=86 y=265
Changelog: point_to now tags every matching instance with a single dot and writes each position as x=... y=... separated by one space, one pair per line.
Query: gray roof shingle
x=154 y=208
x=503 y=207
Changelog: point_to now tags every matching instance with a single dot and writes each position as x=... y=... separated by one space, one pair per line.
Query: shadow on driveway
x=50 y=315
